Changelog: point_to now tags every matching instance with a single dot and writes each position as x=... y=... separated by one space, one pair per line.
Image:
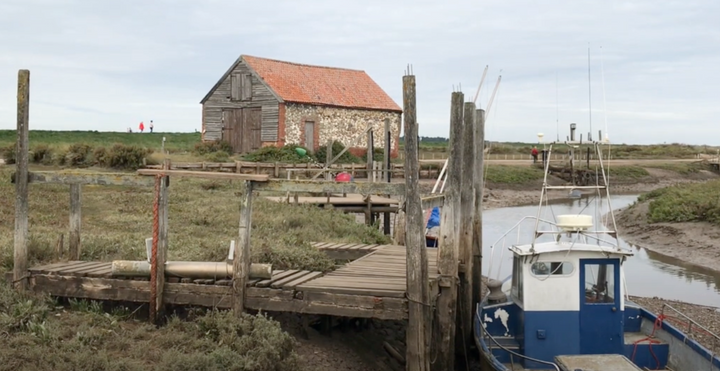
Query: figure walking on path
x=534 y=154
x=151 y=126
x=142 y=127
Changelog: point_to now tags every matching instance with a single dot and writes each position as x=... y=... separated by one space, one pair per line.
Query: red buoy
x=344 y=177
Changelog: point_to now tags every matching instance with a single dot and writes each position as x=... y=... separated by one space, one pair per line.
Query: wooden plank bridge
x=372 y=286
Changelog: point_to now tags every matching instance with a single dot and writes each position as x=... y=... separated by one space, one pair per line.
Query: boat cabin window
x=551 y=268
x=517 y=279
x=599 y=283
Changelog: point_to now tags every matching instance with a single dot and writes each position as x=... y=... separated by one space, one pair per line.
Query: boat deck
x=596 y=362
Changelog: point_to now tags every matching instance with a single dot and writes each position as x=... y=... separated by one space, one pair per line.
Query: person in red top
x=534 y=154
x=142 y=127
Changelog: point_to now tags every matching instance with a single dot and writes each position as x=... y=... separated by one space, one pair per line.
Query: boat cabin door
x=601 y=320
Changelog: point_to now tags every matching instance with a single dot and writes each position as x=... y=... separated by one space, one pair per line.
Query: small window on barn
x=246 y=86
x=235 y=83
x=240 y=86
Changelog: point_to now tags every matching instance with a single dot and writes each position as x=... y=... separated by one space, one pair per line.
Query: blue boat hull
x=650 y=341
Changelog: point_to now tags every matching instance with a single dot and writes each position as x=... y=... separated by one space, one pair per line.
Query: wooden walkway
x=372 y=286
x=346 y=251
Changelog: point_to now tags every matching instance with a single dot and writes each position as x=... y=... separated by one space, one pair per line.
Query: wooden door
x=242 y=128
x=232 y=128
x=310 y=135
x=252 y=128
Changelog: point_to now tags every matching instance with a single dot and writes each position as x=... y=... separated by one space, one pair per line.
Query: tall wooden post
x=75 y=221
x=21 y=181
x=328 y=159
x=416 y=253
x=478 y=189
x=448 y=243
x=162 y=244
x=387 y=174
x=241 y=261
x=370 y=147
x=465 y=303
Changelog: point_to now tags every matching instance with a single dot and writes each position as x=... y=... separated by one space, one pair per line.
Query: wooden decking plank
x=350 y=246
x=275 y=277
x=370 y=247
x=301 y=280
x=107 y=266
x=46 y=267
x=353 y=291
x=81 y=271
x=358 y=247
x=71 y=268
x=323 y=245
x=290 y=278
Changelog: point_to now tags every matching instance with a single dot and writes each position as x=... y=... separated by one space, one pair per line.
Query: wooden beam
x=21 y=184
x=241 y=260
x=387 y=174
x=281 y=185
x=448 y=253
x=115 y=179
x=478 y=190
x=205 y=174
x=328 y=158
x=370 y=157
x=430 y=202
x=162 y=243
x=217 y=296
x=465 y=303
x=416 y=254
x=75 y=221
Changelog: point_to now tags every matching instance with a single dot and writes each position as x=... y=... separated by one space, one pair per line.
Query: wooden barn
x=260 y=102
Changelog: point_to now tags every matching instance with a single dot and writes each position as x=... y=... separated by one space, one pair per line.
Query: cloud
x=110 y=65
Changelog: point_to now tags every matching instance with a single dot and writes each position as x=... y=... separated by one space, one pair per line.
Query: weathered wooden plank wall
x=262 y=97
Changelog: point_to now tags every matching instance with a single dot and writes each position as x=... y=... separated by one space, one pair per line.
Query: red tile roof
x=317 y=85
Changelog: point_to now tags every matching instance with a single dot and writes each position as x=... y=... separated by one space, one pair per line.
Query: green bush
x=123 y=156
x=685 y=203
x=8 y=154
x=287 y=154
x=78 y=154
x=204 y=148
x=219 y=156
x=41 y=154
x=337 y=147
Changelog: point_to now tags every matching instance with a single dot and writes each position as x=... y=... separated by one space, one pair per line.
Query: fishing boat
x=565 y=305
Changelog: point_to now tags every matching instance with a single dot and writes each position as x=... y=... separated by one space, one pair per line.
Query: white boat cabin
x=566 y=297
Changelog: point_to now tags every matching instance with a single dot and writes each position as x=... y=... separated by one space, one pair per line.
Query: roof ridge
x=302 y=64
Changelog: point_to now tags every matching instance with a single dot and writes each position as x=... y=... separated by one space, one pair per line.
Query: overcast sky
x=107 y=65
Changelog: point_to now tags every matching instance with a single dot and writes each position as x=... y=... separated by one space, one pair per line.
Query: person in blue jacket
x=433 y=228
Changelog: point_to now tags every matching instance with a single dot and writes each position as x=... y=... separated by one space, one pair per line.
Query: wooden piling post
x=387 y=173
x=465 y=303
x=370 y=164
x=328 y=159
x=75 y=221
x=448 y=252
x=21 y=181
x=241 y=260
x=478 y=189
x=416 y=253
x=162 y=244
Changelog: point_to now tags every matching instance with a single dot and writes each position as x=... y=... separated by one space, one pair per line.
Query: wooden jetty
x=372 y=286
x=433 y=289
